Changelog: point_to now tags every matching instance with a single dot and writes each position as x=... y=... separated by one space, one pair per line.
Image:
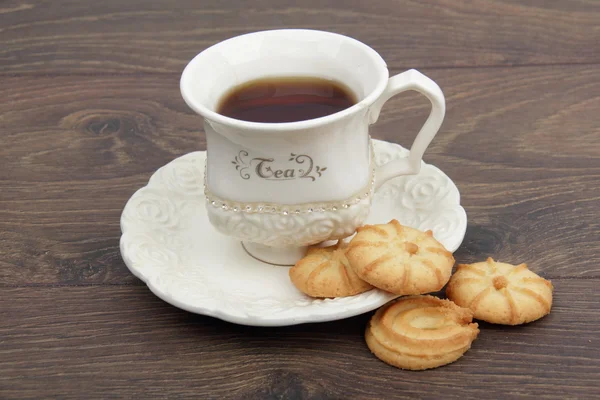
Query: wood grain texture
x=90 y=107
x=519 y=142
x=114 y=36
x=100 y=342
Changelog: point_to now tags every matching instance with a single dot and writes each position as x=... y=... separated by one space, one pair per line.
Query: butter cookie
x=420 y=332
x=399 y=259
x=325 y=272
x=501 y=293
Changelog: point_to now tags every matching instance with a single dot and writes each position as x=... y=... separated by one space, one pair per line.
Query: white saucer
x=169 y=244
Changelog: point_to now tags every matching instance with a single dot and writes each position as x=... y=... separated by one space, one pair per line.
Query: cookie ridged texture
x=501 y=293
x=400 y=259
x=420 y=332
x=325 y=272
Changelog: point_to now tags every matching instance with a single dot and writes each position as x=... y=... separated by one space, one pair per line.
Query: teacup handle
x=410 y=80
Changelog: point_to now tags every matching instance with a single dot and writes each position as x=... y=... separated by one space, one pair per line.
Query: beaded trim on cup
x=291 y=209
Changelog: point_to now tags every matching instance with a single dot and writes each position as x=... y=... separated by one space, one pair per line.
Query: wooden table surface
x=90 y=107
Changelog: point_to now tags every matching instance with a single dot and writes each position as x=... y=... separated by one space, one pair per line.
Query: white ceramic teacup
x=280 y=187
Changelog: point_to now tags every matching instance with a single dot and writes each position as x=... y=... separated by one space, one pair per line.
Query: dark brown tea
x=286 y=99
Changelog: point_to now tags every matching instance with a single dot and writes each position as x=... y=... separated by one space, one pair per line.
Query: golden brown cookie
x=420 y=332
x=501 y=293
x=325 y=272
x=400 y=259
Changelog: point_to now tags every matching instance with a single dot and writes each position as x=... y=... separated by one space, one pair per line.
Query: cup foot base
x=283 y=256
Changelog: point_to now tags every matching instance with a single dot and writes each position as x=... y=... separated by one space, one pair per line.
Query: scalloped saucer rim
x=152 y=250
